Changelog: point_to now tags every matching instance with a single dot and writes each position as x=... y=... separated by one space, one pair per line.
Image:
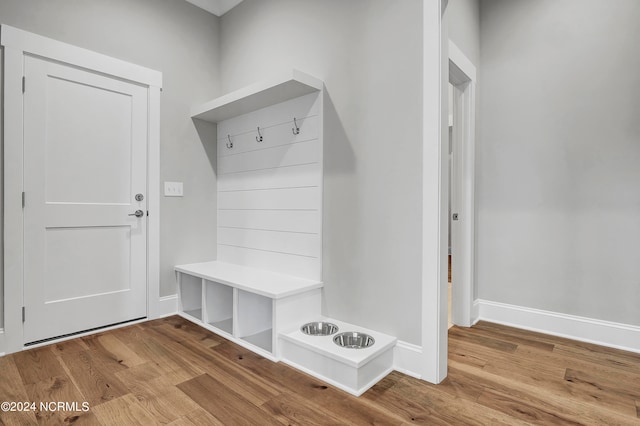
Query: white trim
x=600 y=332
x=475 y=311
x=282 y=87
x=16 y=44
x=407 y=359
x=462 y=75
x=355 y=392
x=13 y=220
x=460 y=59
x=155 y=304
x=166 y=306
x=48 y=48
x=434 y=207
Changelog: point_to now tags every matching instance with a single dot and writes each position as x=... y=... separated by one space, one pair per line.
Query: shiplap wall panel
x=280 y=177
x=277 y=241
x=276 y=220
x=301 y=266
x=279 y=156
x=270 y=192
x=279 y=134
x=270 y=199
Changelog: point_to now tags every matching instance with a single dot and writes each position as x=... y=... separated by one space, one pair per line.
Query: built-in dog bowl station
x=267 y=278
x=357 y=361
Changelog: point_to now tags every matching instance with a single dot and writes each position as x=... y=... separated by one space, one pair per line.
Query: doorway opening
x=451 y=183
x=461 y=131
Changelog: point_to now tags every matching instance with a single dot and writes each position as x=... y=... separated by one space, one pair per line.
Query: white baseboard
x=407 y=359
x=605 y=333
x=475 y=311
x=167 y=305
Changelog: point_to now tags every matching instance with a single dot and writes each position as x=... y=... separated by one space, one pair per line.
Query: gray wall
x=557 y=186
x=464 y=27
x=181 y=41
x=369 y=53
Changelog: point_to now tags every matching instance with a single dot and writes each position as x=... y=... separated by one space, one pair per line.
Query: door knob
x=138 y=213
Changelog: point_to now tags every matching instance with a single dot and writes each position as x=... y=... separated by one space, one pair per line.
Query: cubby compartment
x=255 y=320
x=190 y=295
x=219 y=306
x=246 y=305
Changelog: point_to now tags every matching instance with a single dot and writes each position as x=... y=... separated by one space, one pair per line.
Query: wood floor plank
x=602 y=390
x=119 y=351
x=177 y=332
x=139 y=373
x=97 y=383
x=437 y=407
x=169 y=364
x=53 y=391
x=627 y=364
x=124 y=410
x=251 y=386
x=525 y=401
x=37 y=365
x=306 y=386
x=12 y=390
x=198 y=417
x=460 y=355
x=164 y=401
x=291 y=408
x=518 y=339
x=227 y=406
x=562 y=387
x=489 y=342
x=556 y=360
x=526 y=411
x=170 y=371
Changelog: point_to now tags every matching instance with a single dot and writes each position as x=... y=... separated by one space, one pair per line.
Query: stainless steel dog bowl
x=353 y=340
x=319 y=328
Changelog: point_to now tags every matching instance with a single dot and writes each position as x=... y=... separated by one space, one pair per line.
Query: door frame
x=16 y=44
x=462 y=75
x=435 y=189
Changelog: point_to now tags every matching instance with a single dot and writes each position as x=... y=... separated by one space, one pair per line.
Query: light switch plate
x=173 y=189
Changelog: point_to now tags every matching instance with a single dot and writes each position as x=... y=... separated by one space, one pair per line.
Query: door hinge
x=23 y=83
x=23 y=314
x=147 y=213
x=23 y=201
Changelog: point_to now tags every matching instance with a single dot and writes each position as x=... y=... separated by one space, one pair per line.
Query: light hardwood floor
x=171 y=371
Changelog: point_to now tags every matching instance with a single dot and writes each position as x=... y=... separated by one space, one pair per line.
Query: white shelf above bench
x=258 y=281
x=286 y=86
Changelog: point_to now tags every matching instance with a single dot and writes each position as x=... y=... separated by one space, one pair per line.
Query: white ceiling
x=217 y=7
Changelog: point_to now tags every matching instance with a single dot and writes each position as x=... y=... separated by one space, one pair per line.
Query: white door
x=85 y=159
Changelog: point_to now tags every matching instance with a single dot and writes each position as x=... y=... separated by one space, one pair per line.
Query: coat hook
x=229 y=144
x=259 y=137
x=295 y=129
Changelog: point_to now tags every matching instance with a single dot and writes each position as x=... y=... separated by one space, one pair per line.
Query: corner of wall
x=407 y=359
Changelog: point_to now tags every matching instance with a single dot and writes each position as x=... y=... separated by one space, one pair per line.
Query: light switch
x=173 y=189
